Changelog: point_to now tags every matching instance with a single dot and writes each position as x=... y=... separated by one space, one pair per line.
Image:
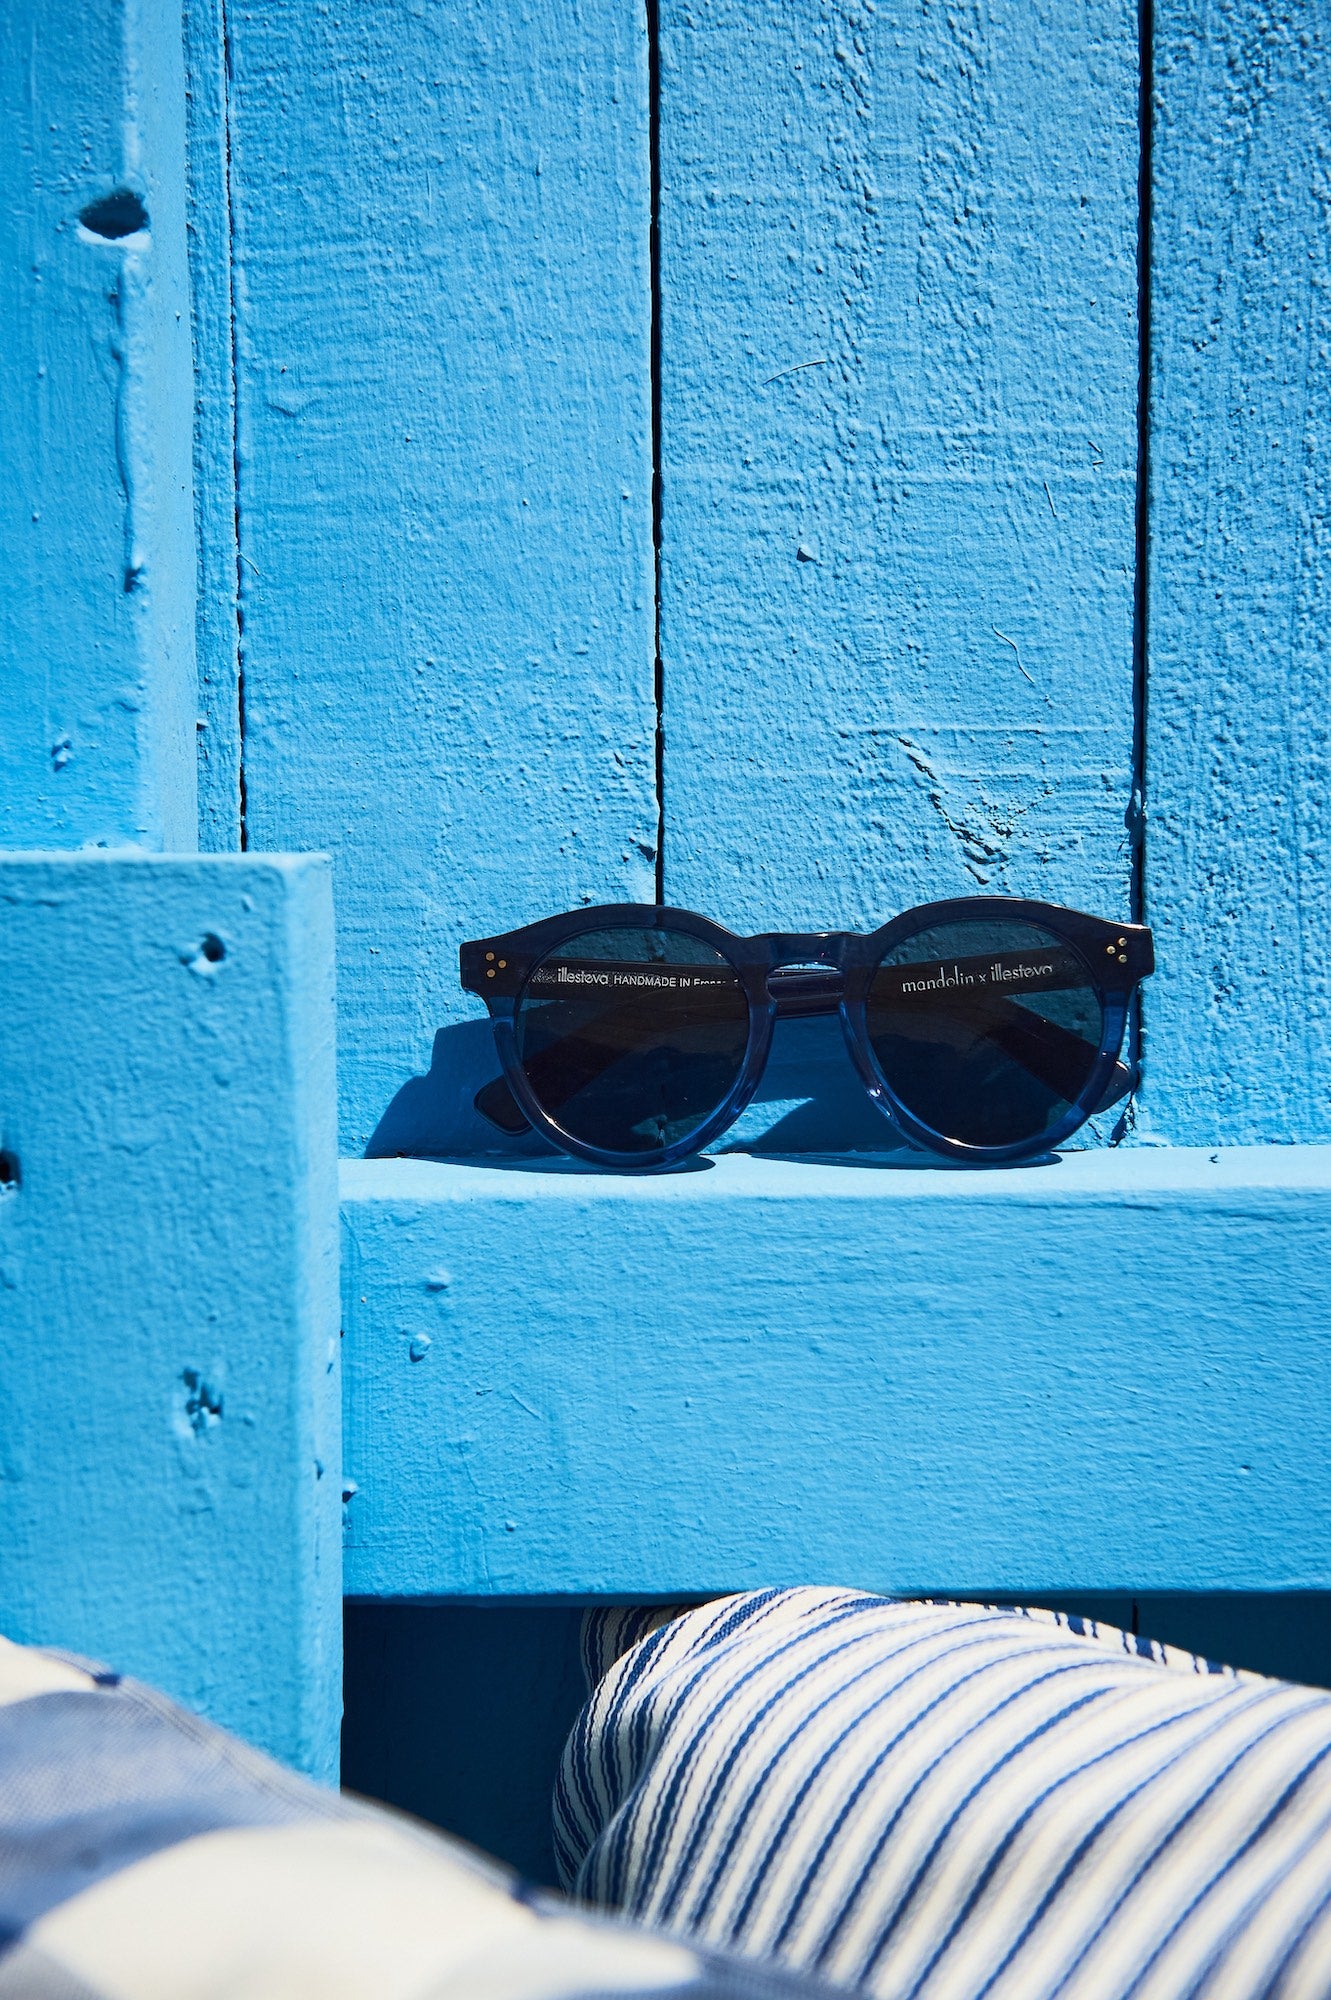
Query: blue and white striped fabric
x=146 y=1856
x=943 y=1802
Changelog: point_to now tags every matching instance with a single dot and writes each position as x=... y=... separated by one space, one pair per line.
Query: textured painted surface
x=1238 y=766
x=442 y=304
x=216 y=625
x=168 y=1281
x=97 y=698
x=898 y=348
x=1106 y=1374
x=899 y=380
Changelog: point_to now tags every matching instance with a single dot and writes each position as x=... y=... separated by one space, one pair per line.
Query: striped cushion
x=953 y=1801
x=146 y=1856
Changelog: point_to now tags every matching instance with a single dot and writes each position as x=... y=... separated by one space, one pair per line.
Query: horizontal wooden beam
x=1105 y=1373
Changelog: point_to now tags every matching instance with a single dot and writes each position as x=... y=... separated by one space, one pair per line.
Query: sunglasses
x=986 y=1029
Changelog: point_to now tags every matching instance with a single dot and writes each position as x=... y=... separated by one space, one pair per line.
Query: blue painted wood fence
x=796 y=460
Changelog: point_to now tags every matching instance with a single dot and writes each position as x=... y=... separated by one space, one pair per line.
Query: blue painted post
x=98 y=709
x=440 y=221
x=1238 y=878
x=169 y=1356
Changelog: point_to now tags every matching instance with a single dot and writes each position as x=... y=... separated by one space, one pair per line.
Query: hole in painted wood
x=10 y=1175
x=111 y=216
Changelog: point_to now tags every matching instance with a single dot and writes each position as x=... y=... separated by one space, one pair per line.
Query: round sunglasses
x=987 y=1029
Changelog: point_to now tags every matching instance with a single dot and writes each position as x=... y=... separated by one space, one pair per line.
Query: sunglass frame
x=1117 y=958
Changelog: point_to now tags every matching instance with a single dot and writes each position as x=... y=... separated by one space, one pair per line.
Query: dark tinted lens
x=986 y=1031
x=631 y=1038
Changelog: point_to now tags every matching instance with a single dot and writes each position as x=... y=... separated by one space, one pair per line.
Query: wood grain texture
x=216 y=624
x=899 y=345
x=169 y=1355
x=442 y=311
x=767 y=1372
x=1238 y=770
x=97 y=696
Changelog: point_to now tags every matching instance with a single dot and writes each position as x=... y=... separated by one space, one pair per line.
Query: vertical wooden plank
x=97 y=701
x=169 y=1355
x=899 y=347
x=1238 y=874
x=442 y=314
x=216 y=624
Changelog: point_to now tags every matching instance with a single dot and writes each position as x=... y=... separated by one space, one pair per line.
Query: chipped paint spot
x=202 y=1402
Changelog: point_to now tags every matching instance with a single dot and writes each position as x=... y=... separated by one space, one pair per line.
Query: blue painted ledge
x=1106 y=1373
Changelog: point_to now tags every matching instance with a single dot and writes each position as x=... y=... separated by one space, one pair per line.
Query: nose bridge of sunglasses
x=806 y=989
x=790 y=949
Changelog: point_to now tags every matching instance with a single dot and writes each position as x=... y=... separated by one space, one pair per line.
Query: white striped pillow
x=953 y=1802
